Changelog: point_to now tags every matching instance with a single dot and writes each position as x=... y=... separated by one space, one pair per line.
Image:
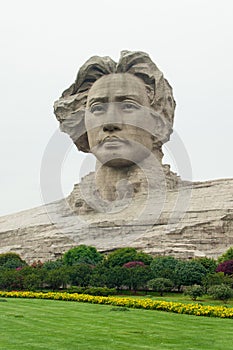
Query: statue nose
x=112 y=126
x=113 y=120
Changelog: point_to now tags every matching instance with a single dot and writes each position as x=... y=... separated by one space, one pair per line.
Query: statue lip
x=112 y=138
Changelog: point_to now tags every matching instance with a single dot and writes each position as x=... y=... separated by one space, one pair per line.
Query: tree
x=189 y=272
x=216 y=279
x=57 y=278
x=221 y=292
x=32 y=277
x=53 y=264
x=209 y=264
x=80 y=275
x=32 y=282
x=82 y=254
x=226 y=267
x=137 y=277
x=99 y=276
x=11 y=261
x=194 y=291
x=161 y=285
x=228 y=255
x=120 y=256
x=124 y=255
x=164 y=267
x=144 y=257
x=11 y=280
x=116 y=277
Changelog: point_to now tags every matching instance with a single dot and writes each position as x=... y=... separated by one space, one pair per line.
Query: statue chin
x=119 y=163
x=126 y=157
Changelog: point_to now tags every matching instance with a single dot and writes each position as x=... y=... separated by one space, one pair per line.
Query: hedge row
x=189 y=309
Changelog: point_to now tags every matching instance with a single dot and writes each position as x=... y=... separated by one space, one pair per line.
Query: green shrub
x=75 y=289
x=96 y=291
x=217 y=278
x=161 y=285
x=194 y=291
x=221 y=292
x=100 y=291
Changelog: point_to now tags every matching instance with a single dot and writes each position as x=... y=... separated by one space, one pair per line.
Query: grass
x=181 y=298
x=205 y=300
x=33 y=324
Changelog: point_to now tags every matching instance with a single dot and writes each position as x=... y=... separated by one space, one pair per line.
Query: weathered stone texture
x=206 y=229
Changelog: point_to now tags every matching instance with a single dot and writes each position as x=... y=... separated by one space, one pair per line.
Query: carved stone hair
x=70 y=108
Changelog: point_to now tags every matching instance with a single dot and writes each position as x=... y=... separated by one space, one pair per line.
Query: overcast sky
x=43 y=43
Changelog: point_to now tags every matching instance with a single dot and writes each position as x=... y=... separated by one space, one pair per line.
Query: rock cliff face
x=190 y=221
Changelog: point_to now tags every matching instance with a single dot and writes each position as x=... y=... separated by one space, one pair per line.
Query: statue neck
x=118 y=183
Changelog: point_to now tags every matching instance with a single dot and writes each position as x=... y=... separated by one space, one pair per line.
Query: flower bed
x=189 y=309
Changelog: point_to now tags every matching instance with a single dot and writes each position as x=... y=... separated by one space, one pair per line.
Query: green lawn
x=181 y=298
x=31 y=324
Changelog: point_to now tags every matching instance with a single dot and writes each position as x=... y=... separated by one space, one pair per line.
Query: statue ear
x=160 y=132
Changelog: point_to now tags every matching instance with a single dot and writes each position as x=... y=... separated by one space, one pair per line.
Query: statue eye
x=98 y=108
x=129 y=106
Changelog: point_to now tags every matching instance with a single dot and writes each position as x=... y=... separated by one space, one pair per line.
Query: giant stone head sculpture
x=121 y=111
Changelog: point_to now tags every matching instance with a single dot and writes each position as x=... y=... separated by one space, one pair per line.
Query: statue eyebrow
x=119 y=98
x=98 y=99
x=126 y=97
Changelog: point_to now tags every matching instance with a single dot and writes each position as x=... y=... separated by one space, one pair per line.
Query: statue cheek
x=92 y=138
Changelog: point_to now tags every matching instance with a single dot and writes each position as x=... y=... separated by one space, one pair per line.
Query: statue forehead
x=118 y=84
